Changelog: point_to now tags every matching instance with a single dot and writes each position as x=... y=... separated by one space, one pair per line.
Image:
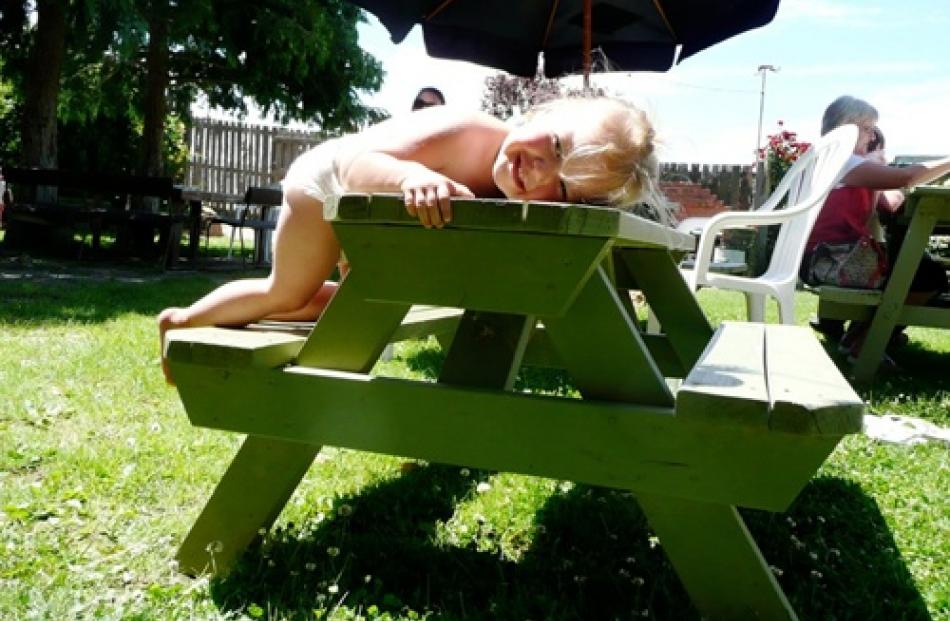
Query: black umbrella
x=634 y=35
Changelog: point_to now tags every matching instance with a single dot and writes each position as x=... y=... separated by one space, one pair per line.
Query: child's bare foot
x=169 y=319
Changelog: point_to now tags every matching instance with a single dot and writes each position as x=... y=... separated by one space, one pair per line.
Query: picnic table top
x=749 y=426
x=537 y=217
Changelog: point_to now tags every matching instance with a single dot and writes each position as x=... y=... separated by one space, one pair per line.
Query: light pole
x=759 y=165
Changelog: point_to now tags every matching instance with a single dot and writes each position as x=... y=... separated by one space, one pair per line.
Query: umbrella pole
x=587 y=29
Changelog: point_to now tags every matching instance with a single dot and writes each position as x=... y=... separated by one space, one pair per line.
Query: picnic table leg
x=687 y=328
x=266 y=471
x=250 y=496
x=716 y=558
x=486 y=350
x=895 y=293
x=602 y=348
x=352 y=333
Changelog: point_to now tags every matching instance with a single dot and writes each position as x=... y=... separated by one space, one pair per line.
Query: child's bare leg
x=305 y=251
x=313 y=309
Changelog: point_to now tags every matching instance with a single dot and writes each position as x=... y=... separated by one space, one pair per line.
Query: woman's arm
x=881 y=177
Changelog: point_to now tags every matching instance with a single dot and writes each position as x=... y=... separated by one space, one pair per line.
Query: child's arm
x=427 y=156
x=425 y=192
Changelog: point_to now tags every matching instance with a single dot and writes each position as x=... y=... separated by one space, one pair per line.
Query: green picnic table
x=926 y=210
x=694 y=421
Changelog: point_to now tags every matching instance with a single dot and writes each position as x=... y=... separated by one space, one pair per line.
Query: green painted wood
x=895 y=293
x=352 y=333
x=716 y=558
x=837 y=310
x=249 y=497
x=773 y=376
x=264 y=472
x=909 y=315
x=929 y=316
x=479 y=270
x=487 y=350
x=728 y=385
x=516 y=216
x=864 y=297
x=675 y=308
x=227 y=347
x=807 y=391
x=602 y=349
x=421 y=322
x=617 y=445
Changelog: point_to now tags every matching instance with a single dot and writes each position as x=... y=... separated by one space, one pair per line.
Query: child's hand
x=426 y=195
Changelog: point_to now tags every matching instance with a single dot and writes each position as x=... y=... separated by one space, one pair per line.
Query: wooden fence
x=226 y=156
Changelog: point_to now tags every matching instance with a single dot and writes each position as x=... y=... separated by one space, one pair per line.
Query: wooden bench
x=760 y=408
x=50 y=200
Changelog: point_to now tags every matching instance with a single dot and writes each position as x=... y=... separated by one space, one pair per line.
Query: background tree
x=505 y=94
x=298 y=60
x=136 y=64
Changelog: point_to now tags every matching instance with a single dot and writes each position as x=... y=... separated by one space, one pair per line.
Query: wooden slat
x=864 y=297
x=224 y=347
x=487 y=270
x=552 y=218
x=770 y=376
x=808 y=393
x=728 y=384
x=595 y=329
x=613 y=444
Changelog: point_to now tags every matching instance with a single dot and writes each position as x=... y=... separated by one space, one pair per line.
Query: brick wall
x=731 y=184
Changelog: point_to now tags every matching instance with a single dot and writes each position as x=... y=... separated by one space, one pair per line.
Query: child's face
x=529 y=163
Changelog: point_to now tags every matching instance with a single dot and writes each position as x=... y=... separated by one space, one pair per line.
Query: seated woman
x=843 y=223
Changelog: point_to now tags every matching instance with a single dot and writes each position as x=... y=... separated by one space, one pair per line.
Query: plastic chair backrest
x=805 y=187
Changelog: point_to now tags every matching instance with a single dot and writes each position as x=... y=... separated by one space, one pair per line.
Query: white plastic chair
x=806 y=186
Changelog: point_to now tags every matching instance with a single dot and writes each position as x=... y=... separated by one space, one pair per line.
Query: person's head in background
x=847 y=109
x=875 y=150
x=428 y=96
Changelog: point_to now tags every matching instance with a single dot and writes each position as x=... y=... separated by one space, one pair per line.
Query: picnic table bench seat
x=860 y=304
x=749 y=425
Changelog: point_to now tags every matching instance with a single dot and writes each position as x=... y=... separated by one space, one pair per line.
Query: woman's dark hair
x=877 y=140
x=424 y=102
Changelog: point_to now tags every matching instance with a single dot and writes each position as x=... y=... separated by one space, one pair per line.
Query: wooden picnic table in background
x=926 y=212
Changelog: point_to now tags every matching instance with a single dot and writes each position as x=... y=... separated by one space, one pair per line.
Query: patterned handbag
x=861 y=265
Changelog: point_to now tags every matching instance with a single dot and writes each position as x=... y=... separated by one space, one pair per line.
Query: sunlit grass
x=101 y=476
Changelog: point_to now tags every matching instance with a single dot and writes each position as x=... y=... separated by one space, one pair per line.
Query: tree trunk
x=41 y=88
x=38 y=127
x=155 y=94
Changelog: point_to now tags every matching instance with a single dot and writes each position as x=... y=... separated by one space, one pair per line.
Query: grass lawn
x=101 y=475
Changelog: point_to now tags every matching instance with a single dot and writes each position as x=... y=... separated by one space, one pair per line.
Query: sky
x=895 y=54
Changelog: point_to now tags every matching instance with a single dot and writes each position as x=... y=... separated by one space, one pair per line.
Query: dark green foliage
x=298 y=60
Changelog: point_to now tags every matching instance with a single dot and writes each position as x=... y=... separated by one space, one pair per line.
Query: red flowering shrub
x=780 y=153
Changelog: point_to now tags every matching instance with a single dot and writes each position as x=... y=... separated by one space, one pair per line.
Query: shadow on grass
x=34 y=292
x=921 y=371
x=591 y=558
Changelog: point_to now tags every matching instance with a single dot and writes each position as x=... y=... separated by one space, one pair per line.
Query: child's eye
x=557 y=146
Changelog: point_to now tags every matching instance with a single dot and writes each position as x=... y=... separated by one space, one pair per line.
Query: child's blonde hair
x=623 y=166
